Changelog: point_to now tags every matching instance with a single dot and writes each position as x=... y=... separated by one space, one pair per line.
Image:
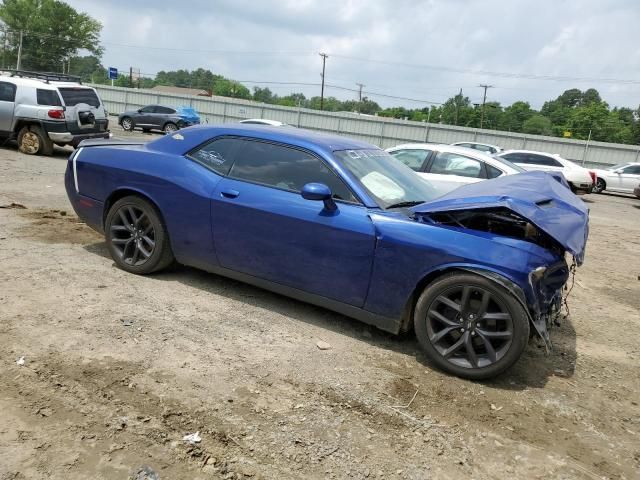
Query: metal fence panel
x=384 y=132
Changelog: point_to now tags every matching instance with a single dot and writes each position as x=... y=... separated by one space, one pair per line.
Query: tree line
x=53 y=34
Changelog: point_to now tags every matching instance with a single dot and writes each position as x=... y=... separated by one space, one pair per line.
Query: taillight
x=593 y=177
x=59 y=114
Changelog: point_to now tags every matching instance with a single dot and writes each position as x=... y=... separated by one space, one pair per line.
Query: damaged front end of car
x=535 y=208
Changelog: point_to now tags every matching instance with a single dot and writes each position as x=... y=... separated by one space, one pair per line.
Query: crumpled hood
x=543 y=199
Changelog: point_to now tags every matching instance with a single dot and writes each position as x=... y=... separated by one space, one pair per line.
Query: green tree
x=515 y=115
x=53 y=32
x=230 y=88
x=538 y=125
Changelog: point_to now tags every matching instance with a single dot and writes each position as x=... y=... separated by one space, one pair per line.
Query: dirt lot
x=118 y=368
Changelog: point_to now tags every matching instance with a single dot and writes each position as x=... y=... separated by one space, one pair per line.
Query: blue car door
x=263 y=227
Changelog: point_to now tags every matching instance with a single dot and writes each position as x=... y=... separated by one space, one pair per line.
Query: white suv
x=42 y=109
x=579 y=178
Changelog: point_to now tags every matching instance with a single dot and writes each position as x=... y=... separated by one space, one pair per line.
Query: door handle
x=229 y=193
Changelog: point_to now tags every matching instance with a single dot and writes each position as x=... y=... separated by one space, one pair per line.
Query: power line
x=493 y=73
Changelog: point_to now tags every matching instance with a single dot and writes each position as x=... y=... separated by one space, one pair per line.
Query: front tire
x=136 y=236
x=33 y=141
x=600 y=186
x=470 y=327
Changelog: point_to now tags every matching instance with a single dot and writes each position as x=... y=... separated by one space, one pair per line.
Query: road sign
x=113 y=73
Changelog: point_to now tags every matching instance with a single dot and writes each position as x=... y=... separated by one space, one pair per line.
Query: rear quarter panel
x=180 y=189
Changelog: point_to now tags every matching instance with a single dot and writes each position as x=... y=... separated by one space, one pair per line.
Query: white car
x=618 y=178
x=580 y=179
x=264 y=121
x=483 y=147
x=448 y=167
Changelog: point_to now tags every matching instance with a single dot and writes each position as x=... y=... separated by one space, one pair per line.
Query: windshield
x=389 y=181
x=508 y=163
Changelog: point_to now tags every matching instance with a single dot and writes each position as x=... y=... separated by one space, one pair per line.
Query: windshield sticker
x=383 y=187
x=177 y=136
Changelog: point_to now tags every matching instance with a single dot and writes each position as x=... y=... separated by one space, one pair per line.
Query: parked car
x=42 y=109
x=483 y=147
x=264 y=121
x=341 y=224
x=448 y=166
x=580 y=179
x=617 y=178
x=159 y=117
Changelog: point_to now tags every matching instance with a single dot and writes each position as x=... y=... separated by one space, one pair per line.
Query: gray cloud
x=590 y=38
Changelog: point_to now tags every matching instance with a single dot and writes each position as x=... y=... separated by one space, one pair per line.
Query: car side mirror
x=319 y=191
x=139 y=110
x=619 y=171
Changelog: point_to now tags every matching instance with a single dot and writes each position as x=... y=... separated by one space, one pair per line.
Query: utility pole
x=360 y=85
x=586 y=148
x=130 y=77
x=19 y=62
x=484 y=100
x=324 y=59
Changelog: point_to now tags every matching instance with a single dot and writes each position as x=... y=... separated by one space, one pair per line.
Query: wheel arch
x=126 y=192
x=603 y=181
x=495 y=276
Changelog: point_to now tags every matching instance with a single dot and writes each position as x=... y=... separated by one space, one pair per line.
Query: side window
x=492 y=172
x=165 y=110
x=631 y=170
x=7 y=92
x=485 y=148
x=286 y=168
x=543 y=160
x=216 y=155
x=148 y=109
x=454 y=164
x=516 y=158
x=48 y=97
x=414 y=159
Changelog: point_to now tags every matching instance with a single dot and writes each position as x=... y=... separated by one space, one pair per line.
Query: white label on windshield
x=383 y=187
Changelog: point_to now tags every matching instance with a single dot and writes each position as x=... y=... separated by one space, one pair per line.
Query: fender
x=539 y=325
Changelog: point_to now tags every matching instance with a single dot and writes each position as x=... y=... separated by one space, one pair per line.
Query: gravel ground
x=119 y=368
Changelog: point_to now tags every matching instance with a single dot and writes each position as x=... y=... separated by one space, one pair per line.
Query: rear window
x=74 y=96
x=48 y=97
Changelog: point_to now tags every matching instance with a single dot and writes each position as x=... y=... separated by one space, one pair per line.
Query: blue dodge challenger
x=341 y=224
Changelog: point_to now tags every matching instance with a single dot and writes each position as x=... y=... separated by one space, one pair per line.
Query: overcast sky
x=421 y=49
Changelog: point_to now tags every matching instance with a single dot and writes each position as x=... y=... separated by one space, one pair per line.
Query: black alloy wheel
x=600 y=186
x=470 y=326
x=136 y=236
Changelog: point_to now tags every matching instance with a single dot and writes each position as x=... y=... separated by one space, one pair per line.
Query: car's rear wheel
x=170 y=128
x=470 y=327
x=127 y=124
x=33 y=141
x=600 y=186
x=136 y=236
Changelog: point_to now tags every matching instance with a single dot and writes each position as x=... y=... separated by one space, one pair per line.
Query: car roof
x=315 y=141
x=477 y=143
x=263 y=121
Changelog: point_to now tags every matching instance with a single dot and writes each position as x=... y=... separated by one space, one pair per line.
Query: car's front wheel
x=600 y=186
x=470 y=326
x=136 y=236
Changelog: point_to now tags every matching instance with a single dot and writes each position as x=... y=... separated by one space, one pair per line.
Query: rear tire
x=127 y=124
x=33 y=141
x=169 y=128
x=470 y=327
x=136 y=236
x=600 y=186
